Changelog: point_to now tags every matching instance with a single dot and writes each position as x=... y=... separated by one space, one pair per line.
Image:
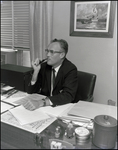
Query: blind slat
x=20 y=20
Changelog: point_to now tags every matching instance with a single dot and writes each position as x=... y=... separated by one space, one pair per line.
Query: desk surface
x=16 y=138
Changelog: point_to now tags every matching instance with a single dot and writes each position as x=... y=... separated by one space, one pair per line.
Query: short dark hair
x=63 y=44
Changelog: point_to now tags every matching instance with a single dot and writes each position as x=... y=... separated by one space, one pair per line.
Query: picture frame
x=92 y=18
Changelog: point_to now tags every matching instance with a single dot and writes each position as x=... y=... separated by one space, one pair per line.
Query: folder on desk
x=90 y=110
x=65 y=116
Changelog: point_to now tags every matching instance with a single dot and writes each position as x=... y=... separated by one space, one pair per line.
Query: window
x=15 y=24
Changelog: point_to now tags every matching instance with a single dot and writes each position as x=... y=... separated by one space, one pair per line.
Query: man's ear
x=62 y=55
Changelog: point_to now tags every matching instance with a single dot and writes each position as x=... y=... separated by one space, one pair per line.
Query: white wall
x=95 y=55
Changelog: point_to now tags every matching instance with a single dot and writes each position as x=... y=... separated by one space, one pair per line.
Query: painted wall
x=94 y=55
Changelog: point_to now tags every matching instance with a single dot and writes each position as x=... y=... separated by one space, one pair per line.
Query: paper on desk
x=25 y=116
x=64 y=116
x=90 y=110
x=19 y=94
x=5 y=107
x=55 y=111
x=12 y=99
x=33 y=96
x=6 y=88
x=34 y=127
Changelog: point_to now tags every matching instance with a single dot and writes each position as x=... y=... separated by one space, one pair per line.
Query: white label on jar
x=81 y=131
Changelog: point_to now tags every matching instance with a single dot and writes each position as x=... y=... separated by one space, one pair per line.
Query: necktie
x=53 y=70
x=52 y=80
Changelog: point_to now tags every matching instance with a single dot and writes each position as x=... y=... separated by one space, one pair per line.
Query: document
x=25 y=116
x=14 y=97
x=5 y=107
x=90 y=110
x=55 y=111
x=65 y=116
x=34 y=127
x=7 y=88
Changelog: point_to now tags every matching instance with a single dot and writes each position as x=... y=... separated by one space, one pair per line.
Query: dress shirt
x=56 y=70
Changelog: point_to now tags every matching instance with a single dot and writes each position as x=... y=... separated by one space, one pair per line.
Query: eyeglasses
x=52 y=52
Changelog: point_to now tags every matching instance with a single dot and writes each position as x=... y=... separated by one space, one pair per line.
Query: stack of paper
x=90 y=110
x=65 y=116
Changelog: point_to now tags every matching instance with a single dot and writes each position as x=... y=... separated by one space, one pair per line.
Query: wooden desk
x=13 y=138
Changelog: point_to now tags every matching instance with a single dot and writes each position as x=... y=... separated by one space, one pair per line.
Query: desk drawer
x=18 y=138
x=23 y=139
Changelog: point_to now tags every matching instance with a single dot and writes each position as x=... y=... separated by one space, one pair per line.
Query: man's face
x=54 y=59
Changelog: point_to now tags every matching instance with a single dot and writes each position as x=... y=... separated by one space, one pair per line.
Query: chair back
x=86 y=84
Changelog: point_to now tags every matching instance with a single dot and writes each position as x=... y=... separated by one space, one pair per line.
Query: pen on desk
x=7 y=103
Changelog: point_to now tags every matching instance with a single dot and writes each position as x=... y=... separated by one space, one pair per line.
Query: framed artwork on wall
x=92 y=18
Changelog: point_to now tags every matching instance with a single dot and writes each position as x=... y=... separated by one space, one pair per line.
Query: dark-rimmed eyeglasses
x=52 y=52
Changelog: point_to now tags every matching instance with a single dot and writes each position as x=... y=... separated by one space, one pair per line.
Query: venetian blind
x=15 y=24
x=6 y=24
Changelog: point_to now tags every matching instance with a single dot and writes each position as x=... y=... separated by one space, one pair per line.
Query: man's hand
x=36 y=65
x=33 y=104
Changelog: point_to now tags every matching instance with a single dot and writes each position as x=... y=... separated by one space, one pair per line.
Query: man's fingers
x=28 y=105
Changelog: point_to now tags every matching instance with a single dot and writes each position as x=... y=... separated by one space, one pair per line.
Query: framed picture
x=92 y=18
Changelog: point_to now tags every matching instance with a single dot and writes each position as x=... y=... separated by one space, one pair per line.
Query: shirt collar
x=57 y=68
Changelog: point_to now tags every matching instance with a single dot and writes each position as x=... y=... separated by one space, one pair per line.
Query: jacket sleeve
x=36 y=87
x=69 y=89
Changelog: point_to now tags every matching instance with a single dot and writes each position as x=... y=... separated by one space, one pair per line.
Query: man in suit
x=66 y=80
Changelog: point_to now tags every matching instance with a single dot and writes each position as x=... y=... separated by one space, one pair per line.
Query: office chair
x=86 y=84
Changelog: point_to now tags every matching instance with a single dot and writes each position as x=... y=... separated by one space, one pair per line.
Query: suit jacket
x=65 y=87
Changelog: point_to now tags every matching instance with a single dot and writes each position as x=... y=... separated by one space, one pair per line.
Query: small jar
x=82 y=135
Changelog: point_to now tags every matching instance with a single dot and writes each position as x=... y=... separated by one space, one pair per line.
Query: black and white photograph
x=59 y=75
